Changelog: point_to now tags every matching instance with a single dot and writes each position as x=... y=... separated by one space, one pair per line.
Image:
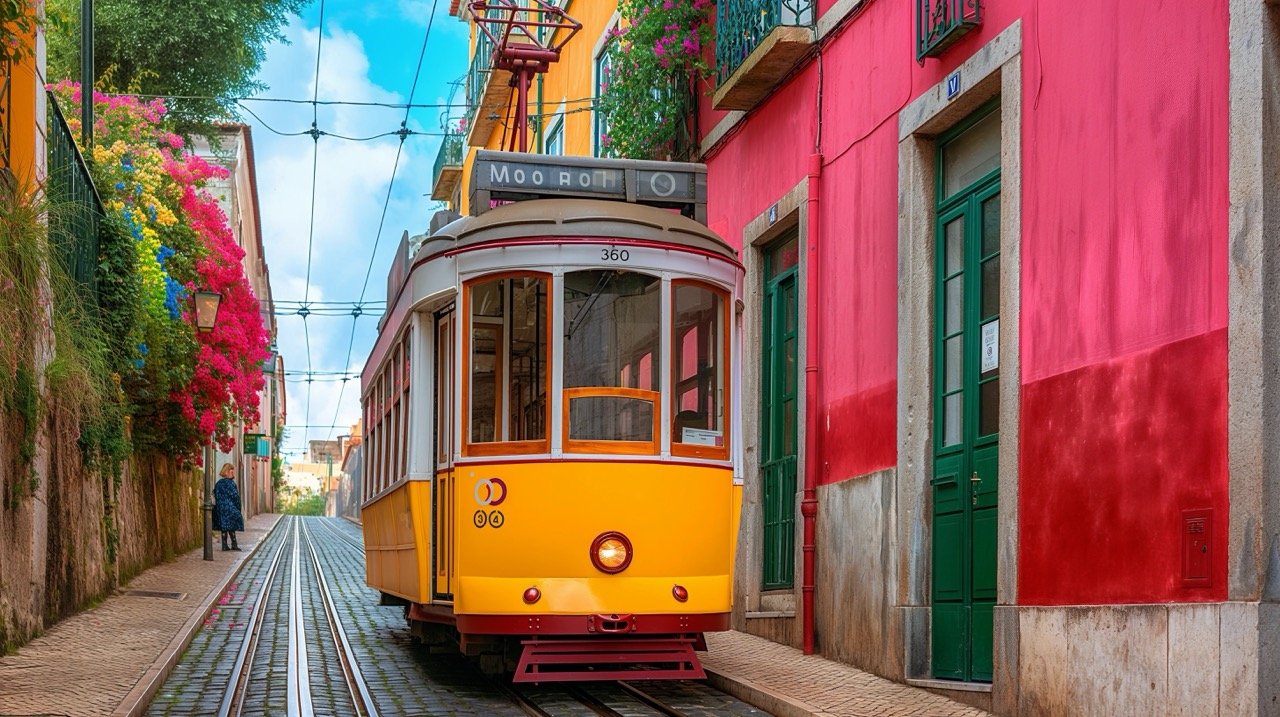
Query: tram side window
x=612 y=359
x=699 y=363
x=510 y=336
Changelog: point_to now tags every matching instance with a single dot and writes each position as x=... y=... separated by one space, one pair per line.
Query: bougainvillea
x=187 y=388
x=656 y=58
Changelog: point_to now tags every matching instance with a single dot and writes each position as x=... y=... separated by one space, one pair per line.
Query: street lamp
x=207 y=303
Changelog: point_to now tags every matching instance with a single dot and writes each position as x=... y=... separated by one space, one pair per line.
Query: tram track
x=296 y=552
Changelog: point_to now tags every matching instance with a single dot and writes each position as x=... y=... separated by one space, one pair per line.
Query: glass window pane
x=611 y=319
x=954 y=240
x=952 y=419
x=484 y=383
x=991 y=226
x=972 y=155
x=782 y=255
x=989 y=408
x=527 y=355
x=610 y=418
x=700 y=363
x=954 y=298
x=509 y=357
x=991 y=287
x=953 y=367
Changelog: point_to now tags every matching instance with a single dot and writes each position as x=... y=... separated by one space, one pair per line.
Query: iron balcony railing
x=939 y=23
x=450 y=155
x=741 y=25
x=478 y=74
x=75 y=209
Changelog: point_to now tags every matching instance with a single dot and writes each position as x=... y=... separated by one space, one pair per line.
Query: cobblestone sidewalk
x=797 y=684
x=88 y=663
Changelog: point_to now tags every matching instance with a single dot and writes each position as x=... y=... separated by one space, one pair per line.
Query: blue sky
x=368 y=54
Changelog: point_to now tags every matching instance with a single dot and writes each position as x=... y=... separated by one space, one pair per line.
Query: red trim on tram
x=619 y=241
x=599 y=624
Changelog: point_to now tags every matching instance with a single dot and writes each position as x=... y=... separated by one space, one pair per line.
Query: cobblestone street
x=399 y=676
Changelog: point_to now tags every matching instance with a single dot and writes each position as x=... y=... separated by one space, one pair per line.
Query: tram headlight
x=611 y=552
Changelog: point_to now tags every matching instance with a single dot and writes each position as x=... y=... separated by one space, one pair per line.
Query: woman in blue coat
x=226 y=506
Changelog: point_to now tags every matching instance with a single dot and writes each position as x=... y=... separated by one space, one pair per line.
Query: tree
x=202 y=54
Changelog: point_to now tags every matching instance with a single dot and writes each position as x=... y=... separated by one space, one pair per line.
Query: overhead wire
x=386 y=203
x=311 y=231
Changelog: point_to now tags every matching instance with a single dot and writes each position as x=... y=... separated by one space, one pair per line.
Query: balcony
x=448 y=171
x=488 y=94
x=939 y=23
x=758 y=43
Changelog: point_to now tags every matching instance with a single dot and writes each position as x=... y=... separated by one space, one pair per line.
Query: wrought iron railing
x=478 y=74
x=450 y=155
x=939 y=23
x=75 y=209
x=741 y=25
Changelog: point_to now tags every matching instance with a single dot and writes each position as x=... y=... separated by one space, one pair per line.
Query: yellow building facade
x=562 y=118
x=23 y=113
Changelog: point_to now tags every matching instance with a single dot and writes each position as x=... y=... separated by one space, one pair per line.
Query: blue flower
x=143 y=349
x=139 y=363
x=120 y=186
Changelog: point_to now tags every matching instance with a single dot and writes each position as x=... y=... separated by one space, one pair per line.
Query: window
x=604 y=64
x=554 y=144
x=698 y=362
x=612 y=362
x=509 y=336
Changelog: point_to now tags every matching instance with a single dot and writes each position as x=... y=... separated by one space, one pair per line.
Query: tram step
x=575 y=660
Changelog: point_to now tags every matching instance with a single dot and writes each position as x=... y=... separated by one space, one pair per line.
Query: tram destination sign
x=500 y=177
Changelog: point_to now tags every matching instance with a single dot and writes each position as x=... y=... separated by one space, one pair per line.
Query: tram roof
x=585 y=219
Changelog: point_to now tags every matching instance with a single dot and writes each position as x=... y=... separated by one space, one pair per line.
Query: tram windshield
x=612 y=355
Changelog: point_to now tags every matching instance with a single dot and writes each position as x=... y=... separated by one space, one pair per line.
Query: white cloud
x=351 y=181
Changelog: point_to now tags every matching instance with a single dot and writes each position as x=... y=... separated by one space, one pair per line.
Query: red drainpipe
x=812 y=431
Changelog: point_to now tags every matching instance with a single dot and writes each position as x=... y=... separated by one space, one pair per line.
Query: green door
x=967 y=403
x=778 y=411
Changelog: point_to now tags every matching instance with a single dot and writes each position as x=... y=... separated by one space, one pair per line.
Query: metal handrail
x=741 y=25
x=74 y=202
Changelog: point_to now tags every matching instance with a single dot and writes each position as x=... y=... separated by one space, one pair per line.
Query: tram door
x=442 y=493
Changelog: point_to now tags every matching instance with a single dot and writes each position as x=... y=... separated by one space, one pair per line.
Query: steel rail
x=650 y=700
x=591 y=702
x=298 y=673
x=361 y=698
x=343 y=536
x=233 y=697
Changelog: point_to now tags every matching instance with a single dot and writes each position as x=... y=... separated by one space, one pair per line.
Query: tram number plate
x=615 y=254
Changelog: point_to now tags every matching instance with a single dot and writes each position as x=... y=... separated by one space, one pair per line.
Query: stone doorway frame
x=995 y=69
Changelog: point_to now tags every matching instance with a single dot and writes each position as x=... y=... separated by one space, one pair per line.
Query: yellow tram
x=553 y=452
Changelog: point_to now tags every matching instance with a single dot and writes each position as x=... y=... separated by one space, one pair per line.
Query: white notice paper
x=701 y=437
x=991 y=346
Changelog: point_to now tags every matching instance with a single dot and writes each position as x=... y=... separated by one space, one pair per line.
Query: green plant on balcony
x=647 y=89
x=18 y=20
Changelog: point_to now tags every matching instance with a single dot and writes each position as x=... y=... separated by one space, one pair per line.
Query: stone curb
x=139 y=698
x=771 y=701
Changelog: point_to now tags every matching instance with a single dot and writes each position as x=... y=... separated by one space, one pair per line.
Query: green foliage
x=17 y=20
x=172 y=47
x=308 y=504
x=656 y=58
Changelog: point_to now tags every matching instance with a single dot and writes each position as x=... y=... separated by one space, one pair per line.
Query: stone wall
x=56 y=541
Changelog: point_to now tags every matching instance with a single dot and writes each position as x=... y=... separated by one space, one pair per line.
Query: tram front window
x=612 y=360
x=508 y=365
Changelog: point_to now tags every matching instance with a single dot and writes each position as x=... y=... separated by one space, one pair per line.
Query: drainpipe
x=813 y=394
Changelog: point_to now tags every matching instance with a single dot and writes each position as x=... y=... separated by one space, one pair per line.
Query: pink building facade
x=1012 y=345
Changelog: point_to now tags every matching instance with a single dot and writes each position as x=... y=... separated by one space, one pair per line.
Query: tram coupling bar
x=612 y=623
